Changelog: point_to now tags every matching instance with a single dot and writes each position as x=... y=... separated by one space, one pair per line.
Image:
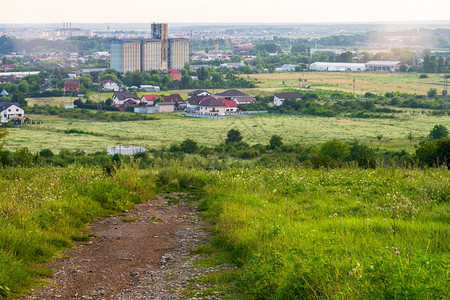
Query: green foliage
x=432 y=93
x=342 y=233
x=434 y=153
x=189 y=146
x=275 y=142
x=438 y=132
x=233 y=136
x=42 y=210
x=3 y=135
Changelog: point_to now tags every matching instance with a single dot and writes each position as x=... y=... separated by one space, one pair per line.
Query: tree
x=233 y=136
x=108 y=102
x=275 y=142
x=434 y=153
x=203 y=73
x=438 y=132
x=189 y=146
x=432 y=93
x=335 y=149
x=19 y=98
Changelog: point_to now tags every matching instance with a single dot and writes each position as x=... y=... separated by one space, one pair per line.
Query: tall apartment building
x=125 y=55
x=158 y=53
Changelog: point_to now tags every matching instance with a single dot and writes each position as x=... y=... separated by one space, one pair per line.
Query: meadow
x=334 y=234
x=379 y=83
x=174 y=128
x=293 y=233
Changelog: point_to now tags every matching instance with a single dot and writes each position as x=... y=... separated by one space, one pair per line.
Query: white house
x=109 y=85
x=288 y=68
x=11 y=111
x=279 y=98
x=337 y=67
x=122 y=97
x=3 y=93
x=212 y=106
x=150 y=88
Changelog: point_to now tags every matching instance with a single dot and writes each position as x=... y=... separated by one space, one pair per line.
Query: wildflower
x=397 y=252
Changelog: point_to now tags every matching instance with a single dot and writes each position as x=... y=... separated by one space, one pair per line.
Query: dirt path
x=143 y=258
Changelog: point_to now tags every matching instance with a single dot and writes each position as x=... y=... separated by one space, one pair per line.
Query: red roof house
x=175 y=74
x=71 y=87
x=149 y=99
x=9 y=66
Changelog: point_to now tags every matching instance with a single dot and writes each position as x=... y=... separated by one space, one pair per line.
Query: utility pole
x=354 y=86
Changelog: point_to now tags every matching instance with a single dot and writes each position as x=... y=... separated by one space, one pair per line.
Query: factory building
x=125 y=55
x=158 y=53
x=178 y=53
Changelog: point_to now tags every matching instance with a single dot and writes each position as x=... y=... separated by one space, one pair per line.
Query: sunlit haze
x=231 y=11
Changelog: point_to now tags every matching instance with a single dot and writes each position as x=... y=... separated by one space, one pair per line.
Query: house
x=288 y=68
x=9 y=67
x=11 y=111
x=233 y=65
x=193 y=102
x=175 y=98
x=237 y=96
x=279 y=98
x=8 y=78
x=109 y=85
x=149 y=99
x=150 y=88
x=122 y=97
x=126 y=104
x=175 y=74
x=230 y=105
x=212 y=106
x=199 y=93
x=71 y=87
x=3 y=93
x=384 y=66
x=46 y=88
x=165 y=106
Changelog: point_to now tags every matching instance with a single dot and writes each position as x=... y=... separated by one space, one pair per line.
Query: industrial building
x=337 y=67
x=384 y=66
x=158 y=53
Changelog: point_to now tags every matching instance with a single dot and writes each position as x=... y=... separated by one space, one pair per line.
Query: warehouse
x=337 y=67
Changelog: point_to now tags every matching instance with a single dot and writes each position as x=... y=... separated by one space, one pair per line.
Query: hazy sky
x=222 y=11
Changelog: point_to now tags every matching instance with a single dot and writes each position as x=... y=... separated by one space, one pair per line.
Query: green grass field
x=173 y=128
x=342 y=81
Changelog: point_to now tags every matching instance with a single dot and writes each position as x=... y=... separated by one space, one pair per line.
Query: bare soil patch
x=144 y=254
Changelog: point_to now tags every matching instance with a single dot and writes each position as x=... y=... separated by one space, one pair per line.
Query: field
x=342 y=81
x=173 y=128
x=292 y=233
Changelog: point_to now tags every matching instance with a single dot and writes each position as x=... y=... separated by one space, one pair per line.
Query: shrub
x=438 y=132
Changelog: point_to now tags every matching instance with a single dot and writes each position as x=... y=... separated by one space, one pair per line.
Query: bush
x=438 y=132
x=423 y=76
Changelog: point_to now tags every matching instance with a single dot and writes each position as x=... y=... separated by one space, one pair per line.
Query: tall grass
x=344 y=233
x=295 y=233
x=42 y=210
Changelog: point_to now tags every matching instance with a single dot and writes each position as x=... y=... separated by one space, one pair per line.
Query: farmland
x=174 y=128
x=343 y=81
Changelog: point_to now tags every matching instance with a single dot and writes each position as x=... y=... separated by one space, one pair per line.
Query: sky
x=223 y=11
